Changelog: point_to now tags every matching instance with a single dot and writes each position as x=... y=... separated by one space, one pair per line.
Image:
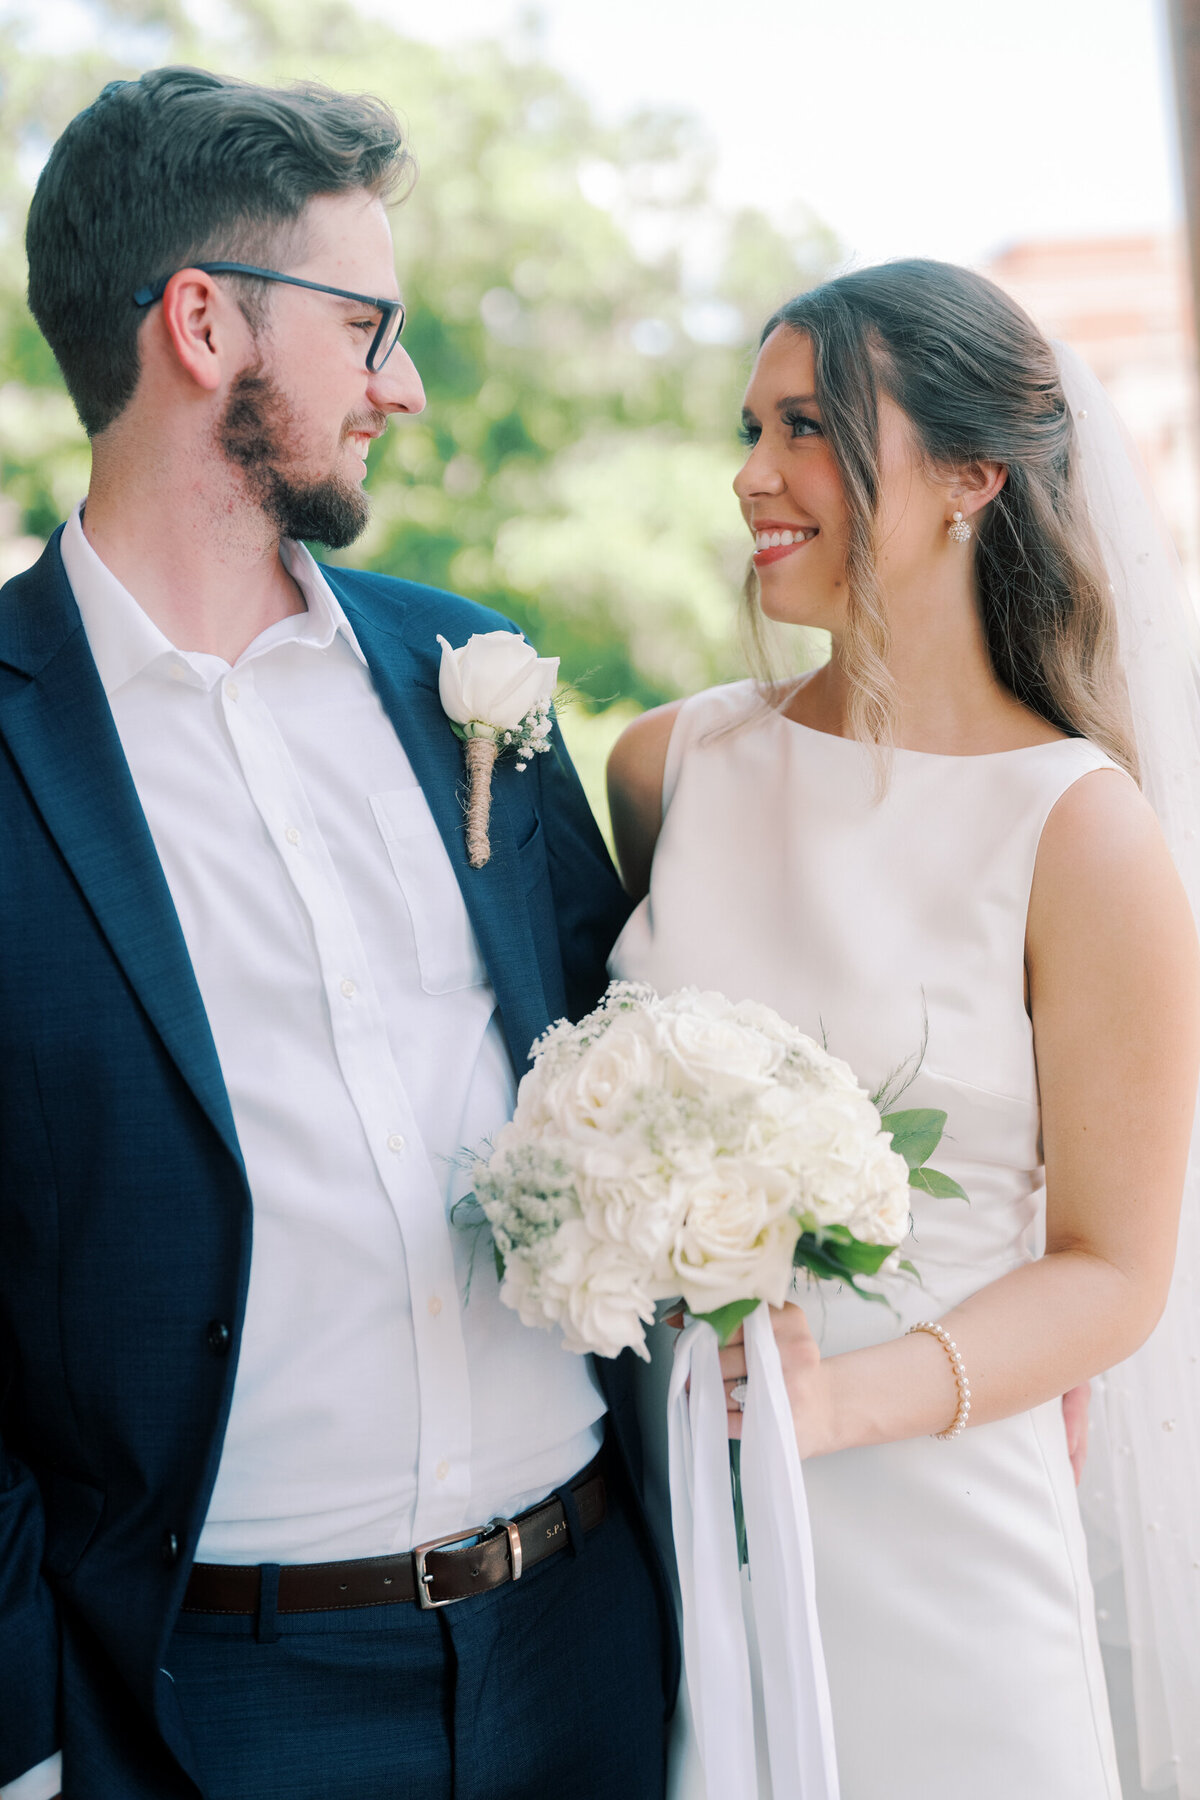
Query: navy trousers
x=547 y=1689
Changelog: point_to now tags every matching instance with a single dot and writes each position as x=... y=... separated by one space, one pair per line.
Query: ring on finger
x=737 y=1394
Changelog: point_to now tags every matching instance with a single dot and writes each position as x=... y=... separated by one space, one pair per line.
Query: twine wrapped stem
x=481 y=757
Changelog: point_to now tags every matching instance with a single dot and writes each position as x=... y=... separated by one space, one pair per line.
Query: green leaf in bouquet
x=916 y=1133
x=467 y=1215
x=726 y=1319
x=910 y=1268
x=932 y=1181
x=828 y=1262
x=820 y=1259
x=739 y=1510
x=853 y=1254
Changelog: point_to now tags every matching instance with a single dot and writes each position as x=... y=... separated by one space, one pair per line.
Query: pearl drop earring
x=959 y=531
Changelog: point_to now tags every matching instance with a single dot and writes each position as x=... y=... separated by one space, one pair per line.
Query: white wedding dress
x=952 y=1584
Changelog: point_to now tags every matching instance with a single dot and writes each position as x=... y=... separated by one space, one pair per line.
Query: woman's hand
x=804 y=1374
x=1075 y=1418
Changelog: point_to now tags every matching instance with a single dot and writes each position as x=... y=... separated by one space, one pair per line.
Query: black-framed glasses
x=391 y=312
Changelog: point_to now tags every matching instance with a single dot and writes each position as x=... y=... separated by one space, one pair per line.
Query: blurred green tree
x=580 y=310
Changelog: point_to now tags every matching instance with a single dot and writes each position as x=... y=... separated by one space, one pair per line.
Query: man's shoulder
x=406 y=604
x=37 y=610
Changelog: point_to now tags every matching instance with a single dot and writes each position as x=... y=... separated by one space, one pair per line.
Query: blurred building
x=1125 y=305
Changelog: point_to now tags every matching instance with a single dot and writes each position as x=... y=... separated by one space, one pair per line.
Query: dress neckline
x=928 y=755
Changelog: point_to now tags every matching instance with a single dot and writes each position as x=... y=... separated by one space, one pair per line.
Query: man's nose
x=397 y=387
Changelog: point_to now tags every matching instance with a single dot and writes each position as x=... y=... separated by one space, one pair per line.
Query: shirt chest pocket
x=447 y=954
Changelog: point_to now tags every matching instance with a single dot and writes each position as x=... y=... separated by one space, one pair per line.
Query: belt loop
x=566 y=1499
x=268 y=1592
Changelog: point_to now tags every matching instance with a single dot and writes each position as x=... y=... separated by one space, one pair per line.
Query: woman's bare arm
x=635 y=778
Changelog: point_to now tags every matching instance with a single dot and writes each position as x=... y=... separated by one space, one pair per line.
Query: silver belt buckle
x=424 y=1576
x=516 y=1555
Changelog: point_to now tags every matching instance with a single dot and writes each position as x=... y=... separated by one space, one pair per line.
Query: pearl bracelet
x=963 y=1411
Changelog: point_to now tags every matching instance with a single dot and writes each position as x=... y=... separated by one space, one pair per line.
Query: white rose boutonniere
x=496 y=692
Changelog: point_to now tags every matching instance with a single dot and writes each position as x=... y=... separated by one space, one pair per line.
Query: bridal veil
x=1141 y=1491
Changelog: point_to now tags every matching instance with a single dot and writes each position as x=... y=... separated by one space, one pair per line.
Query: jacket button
x=219 y=1337
x=170 y=1549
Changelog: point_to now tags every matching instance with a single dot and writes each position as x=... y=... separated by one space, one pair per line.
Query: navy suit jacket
x=125 y=1216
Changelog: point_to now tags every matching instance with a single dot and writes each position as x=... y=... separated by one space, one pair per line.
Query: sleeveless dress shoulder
x=952 y=1581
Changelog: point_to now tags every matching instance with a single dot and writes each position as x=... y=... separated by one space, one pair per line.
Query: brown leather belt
x=434 y=1574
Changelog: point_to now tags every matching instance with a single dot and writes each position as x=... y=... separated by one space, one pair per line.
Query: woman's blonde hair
x=977 y=382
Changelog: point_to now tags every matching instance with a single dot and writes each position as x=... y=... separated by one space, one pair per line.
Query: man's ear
x=205 y=328
x=975 y=485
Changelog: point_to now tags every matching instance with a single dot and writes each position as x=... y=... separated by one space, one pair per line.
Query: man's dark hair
x=179 y=167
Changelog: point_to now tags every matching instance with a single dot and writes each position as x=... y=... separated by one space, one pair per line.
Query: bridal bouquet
x=686 y=1147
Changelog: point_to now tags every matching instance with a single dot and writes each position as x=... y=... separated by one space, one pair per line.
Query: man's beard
x=256 y=432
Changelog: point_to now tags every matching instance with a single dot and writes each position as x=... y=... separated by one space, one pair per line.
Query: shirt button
x=435 y=1306
x=177 y=672
x=348 y=988
x=292 y=835
x=170 y=1549
x=442 y=1470
x=395 y=1143
x=231 y=690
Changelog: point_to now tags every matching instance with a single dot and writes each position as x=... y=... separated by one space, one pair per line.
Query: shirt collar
x=125 y=641
x=324 y=608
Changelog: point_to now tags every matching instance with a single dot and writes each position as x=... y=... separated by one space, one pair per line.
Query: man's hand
x=1075 y=1418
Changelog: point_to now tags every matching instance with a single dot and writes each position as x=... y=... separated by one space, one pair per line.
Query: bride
x=937 y=840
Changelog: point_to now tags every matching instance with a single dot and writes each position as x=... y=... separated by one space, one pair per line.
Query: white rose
x=771 y=1024
x=780 y=1117
x=510 y=1137
x=884 y=1212
x=592 y=1290
x=496 y=678
x=519 y=1290
x=843 y=1162
x=719 y=1058
x=619 y=1156
x=595 y=1093
x=609 y=1309
x=840 y=1074
x=737 y=1238
x=529 y=1116
x=705 y=1002
x=641 y=1211
x=812 y=1130
x=538 y=1278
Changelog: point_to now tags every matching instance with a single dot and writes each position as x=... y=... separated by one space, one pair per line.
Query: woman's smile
x=775 y=539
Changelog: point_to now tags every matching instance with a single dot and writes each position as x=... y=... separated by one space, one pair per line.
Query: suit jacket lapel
x=494 y=895
x=59 y=728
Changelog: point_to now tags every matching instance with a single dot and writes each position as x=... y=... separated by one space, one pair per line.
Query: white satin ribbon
x=715 y=1658
x=795 y=1690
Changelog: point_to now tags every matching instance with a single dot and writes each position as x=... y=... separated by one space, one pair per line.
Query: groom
x=281 y=1512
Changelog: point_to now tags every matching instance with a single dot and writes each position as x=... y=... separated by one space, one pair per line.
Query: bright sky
x=911 y=127
x=924 y=127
